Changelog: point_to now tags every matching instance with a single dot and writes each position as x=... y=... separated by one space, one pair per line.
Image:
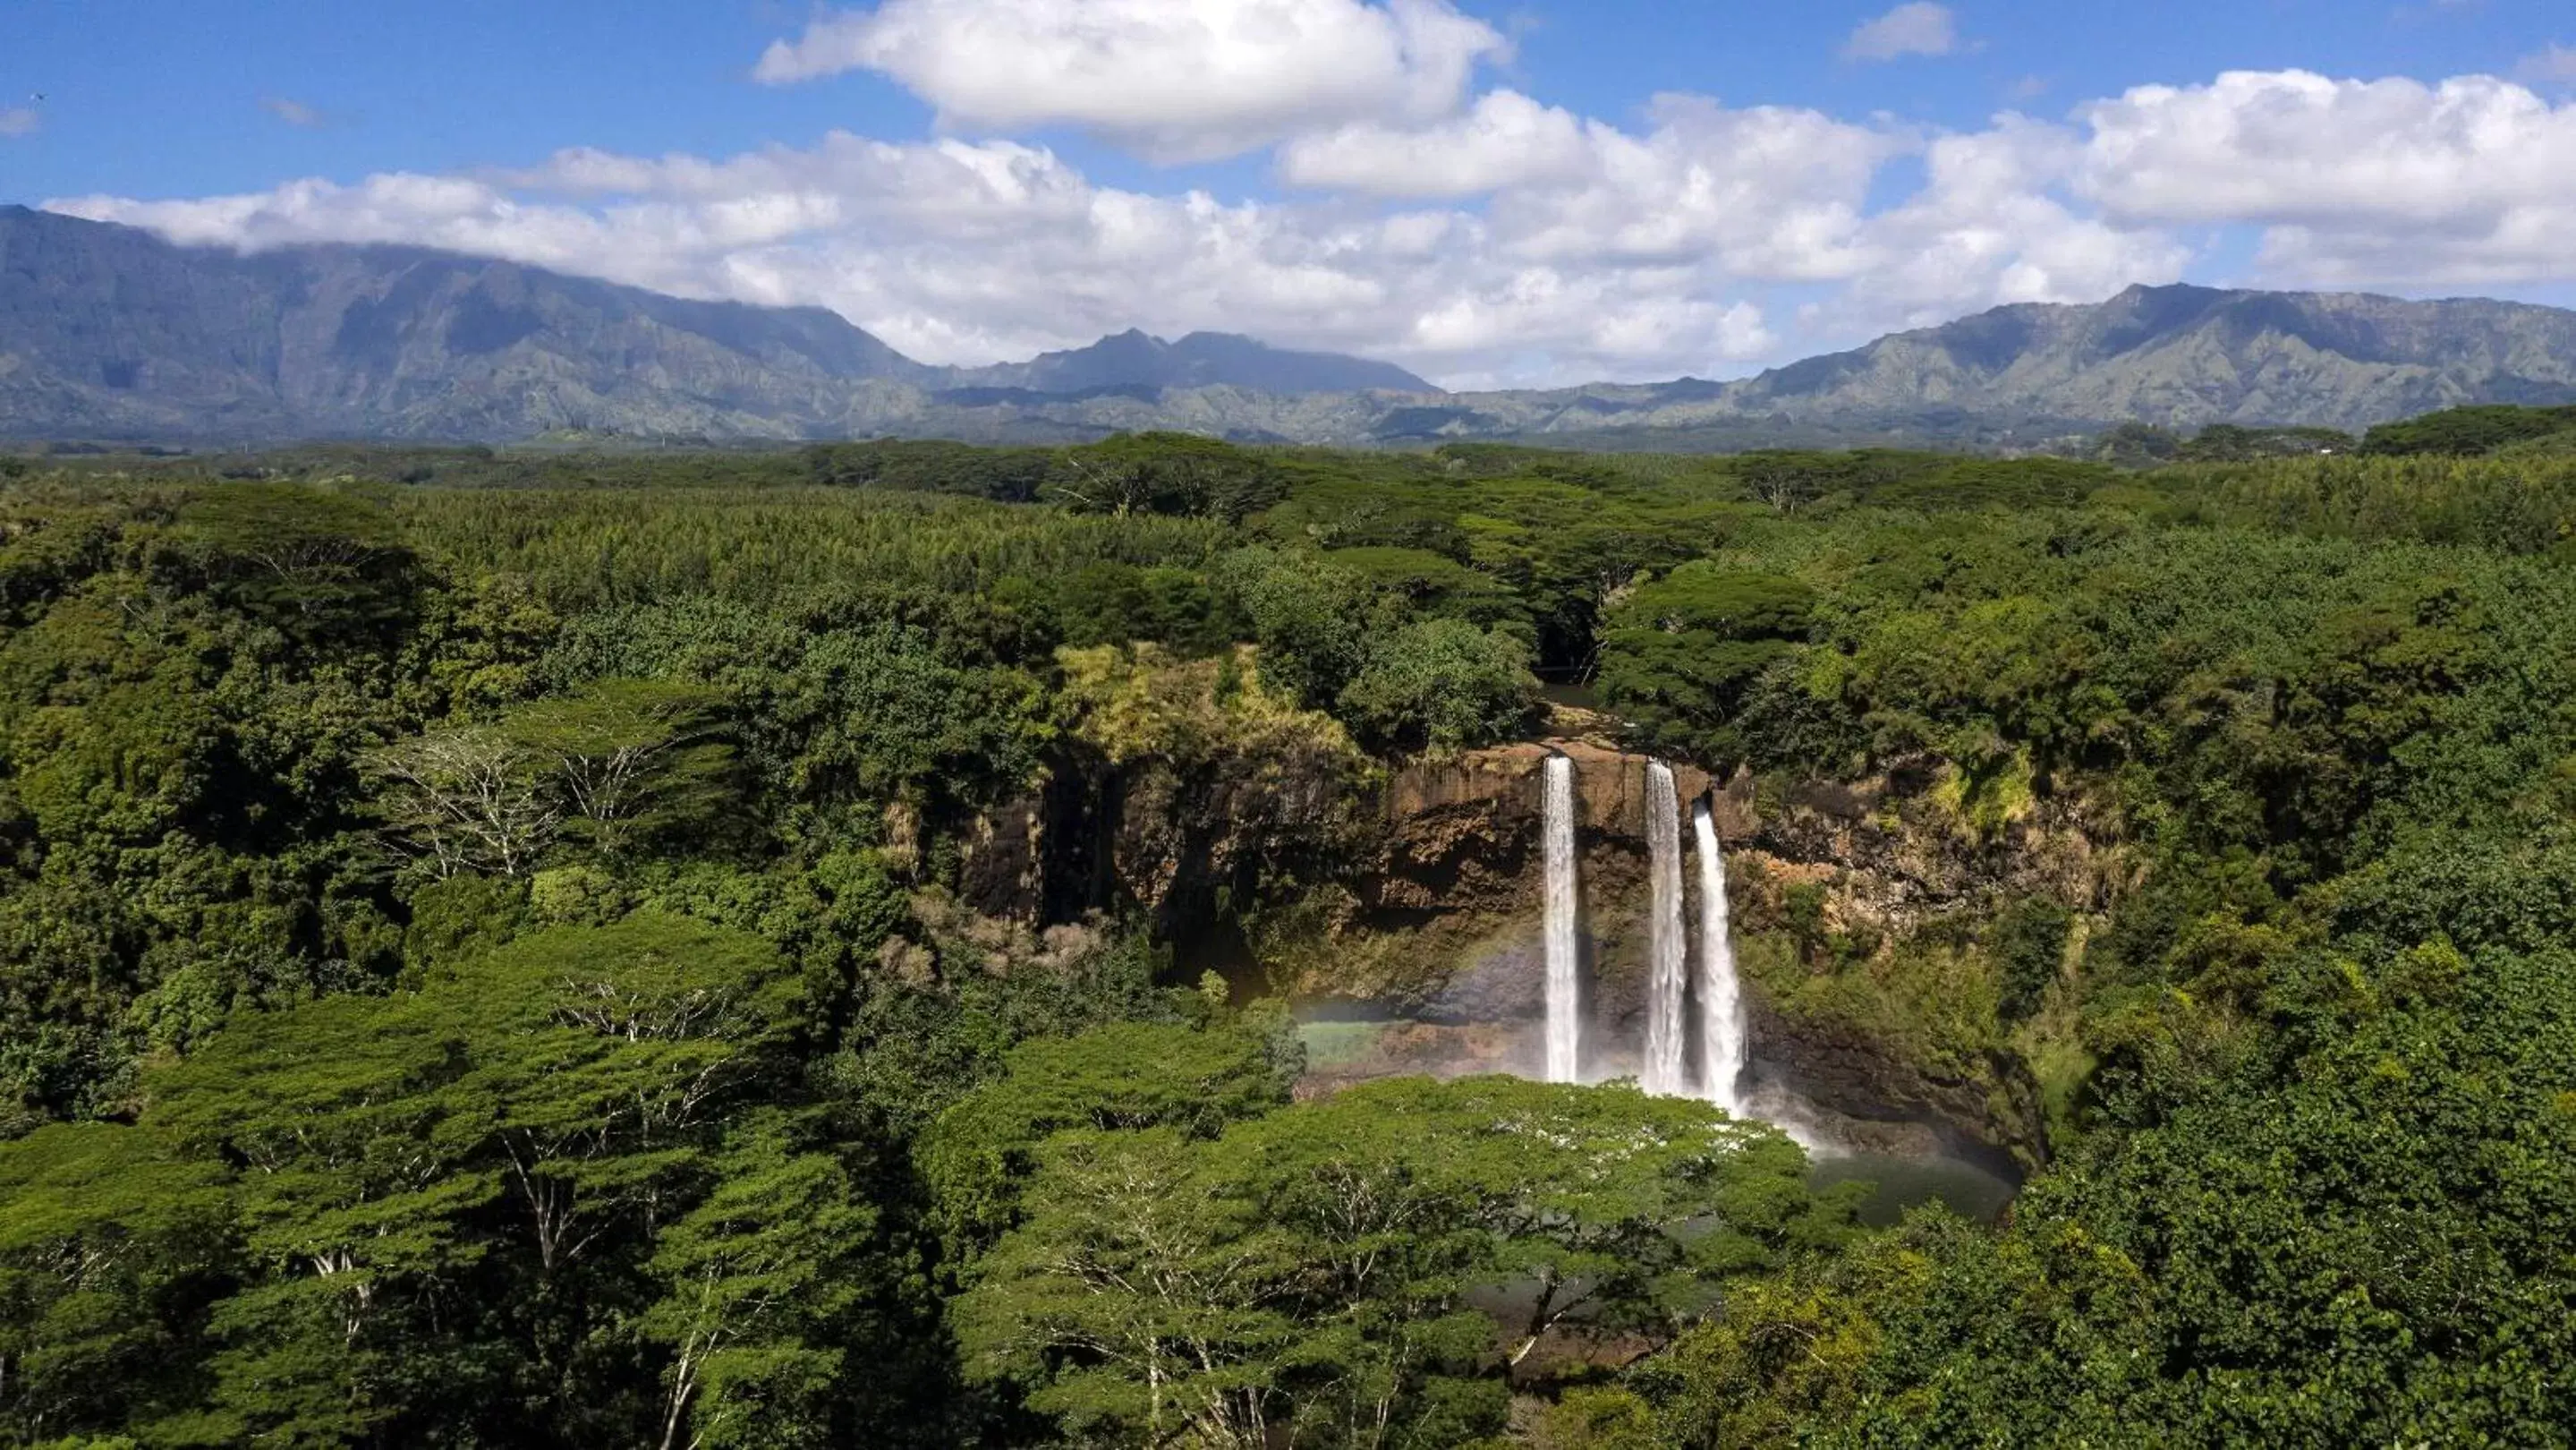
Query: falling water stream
x=1722 y=1032
x=1695 y=999
x=1668 y=979
x=1564 y=921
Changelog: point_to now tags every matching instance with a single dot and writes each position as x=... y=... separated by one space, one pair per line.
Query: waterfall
x=1722 y=1034
x=1564 y=921
x=1667 y=1029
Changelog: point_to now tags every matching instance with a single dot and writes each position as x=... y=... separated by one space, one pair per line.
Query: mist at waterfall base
x=1696 y=1032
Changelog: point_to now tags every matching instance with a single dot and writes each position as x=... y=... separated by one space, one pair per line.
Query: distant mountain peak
x=1135 y=358
x=110 y=333
x=2188 y=356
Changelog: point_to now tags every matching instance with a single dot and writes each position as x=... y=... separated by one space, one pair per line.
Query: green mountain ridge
x=109 y=332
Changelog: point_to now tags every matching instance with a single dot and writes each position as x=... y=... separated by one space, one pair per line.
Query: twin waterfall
x=1667 y=1068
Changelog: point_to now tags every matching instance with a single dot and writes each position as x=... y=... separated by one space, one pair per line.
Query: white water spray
x=1667 y=1029
x=1722 y=1034
x=1564 y=913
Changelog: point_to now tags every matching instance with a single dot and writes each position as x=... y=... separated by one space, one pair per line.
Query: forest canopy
x=557 y=948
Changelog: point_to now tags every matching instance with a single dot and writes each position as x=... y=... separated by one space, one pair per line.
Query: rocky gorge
x=1399 y=910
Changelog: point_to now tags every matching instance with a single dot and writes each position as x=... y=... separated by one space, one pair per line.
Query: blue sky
x=153 y=109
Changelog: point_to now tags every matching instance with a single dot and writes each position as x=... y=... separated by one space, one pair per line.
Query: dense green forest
x=500 y=947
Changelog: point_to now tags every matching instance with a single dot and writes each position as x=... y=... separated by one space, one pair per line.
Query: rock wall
x=1416 y=898
x=1443 y=926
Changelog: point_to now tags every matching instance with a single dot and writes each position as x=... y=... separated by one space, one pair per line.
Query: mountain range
x=111 y=333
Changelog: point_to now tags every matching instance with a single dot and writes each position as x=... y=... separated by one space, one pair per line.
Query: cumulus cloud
x=2388 y=181
x=1506 y=140
x=1511 y=242
x=16 y=121
x=1175 y=82
x=961 y=251
x=1920 y=28
x=2552 y=65
x=1765 y=193
x=1987 y=228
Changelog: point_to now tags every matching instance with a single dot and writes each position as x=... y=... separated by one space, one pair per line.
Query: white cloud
x=1986 y=229
x=19 y=121
x=968 y=252
x=2388 y=181
x=1920 y=28
x=1176 y=82
x=1506 y=140
x=1515 y=243
x=2553 y=65
x=1770 y=193
x=293 y=112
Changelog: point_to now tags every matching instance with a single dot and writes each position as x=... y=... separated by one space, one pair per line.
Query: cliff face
x=1411 y=907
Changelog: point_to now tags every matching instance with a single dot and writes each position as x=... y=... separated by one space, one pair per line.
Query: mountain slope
x=1201 y=360
x=110 y=332
x=2192 y=356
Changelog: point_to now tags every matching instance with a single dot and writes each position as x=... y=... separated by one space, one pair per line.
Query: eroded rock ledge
x=1416 y=897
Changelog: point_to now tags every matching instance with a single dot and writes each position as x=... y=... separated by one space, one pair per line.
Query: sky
x=1491 y=192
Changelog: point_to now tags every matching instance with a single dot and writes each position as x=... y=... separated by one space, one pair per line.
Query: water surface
x=1971 y=1191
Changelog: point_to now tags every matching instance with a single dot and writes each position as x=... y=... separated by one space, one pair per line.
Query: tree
x=358 y=1184
x=633 y=758
x=603 y=1059
x=977 y=1157
x=755 y=1284
x=313 y=561
x=470 y=798
x=1140 y=1302
x=1165 y=473
x=1785 y=481
x=2467 y=431
x=109 y=1248
x=1441 y=685
x=1314 y=1272
x=1312 y=621
x=1683 y=653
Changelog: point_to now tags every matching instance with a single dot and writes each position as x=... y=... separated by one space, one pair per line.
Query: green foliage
x=108 y=1253
x=2353 y=1236
x=2467 y=432
x=581 y=948
x=2143 y=445
x=2029 y=945
x=977 y=1156
x=826 y=720
x=1310 y=619
x=1683 y=654
x=1441 y=685
x=634 y=760
x=1313 y=1270
x=311 y=561
x=758 y=1287
x=1165 y=473
x=1006 y=475
x=1114 y=603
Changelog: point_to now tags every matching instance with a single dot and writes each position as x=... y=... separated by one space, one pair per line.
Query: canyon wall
x=1406 y=907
